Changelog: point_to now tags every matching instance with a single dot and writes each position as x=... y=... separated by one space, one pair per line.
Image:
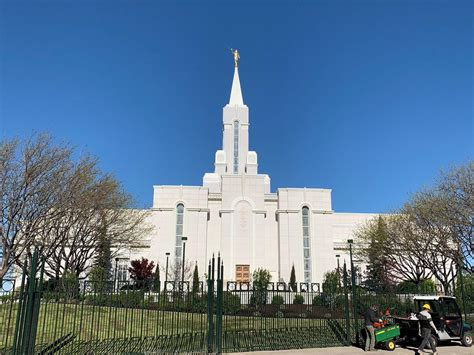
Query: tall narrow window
x=306 y=245
x=236 y=147
x=122 y=270
x=179 y=232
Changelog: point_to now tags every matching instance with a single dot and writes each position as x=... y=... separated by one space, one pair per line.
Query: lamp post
x=351 y=241
x=338 y=269
x=184 y=239
x=166 y=272
x=353 y=281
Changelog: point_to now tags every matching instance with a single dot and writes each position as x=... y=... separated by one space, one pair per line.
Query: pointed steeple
x=236 y=92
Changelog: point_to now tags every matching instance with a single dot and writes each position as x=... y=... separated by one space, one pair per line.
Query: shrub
x=68 y=286
x=98 y=280
x=258 y=298
x=130 y=299
x=231 y=303
x=318 y=300
x=199 y=303
x=299 y=299
x=425 y=286
x=278 y=300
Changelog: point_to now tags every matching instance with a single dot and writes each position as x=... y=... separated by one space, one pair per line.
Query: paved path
x=453 y=349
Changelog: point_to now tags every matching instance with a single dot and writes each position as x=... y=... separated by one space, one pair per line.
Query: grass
x=92 y=324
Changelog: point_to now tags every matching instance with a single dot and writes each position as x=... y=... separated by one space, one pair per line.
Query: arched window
x=236 y=147
x=179 y=231
x=306 y=245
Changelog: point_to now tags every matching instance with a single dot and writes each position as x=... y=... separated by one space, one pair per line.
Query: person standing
x=369 y=319
x=426 y=323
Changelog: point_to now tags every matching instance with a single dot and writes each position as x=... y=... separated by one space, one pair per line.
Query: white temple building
x=236 y=213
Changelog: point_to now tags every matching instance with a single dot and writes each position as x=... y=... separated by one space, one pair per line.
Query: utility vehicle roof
x=431 y=298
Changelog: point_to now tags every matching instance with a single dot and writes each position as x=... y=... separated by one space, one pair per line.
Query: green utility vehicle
x=385 y=337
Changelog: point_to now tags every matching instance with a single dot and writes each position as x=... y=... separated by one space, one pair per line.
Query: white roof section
x=236 y=92
x=431 y=298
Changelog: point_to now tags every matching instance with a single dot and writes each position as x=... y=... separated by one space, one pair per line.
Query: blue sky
x=369 y=98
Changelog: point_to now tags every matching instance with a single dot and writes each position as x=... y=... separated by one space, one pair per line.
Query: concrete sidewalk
x=453 y=349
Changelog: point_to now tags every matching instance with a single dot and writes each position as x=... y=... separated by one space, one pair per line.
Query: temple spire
x=236 y=92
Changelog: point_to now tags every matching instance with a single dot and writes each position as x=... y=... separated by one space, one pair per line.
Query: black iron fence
x=121 y=317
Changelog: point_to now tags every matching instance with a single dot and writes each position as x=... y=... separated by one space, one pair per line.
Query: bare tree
x=455 y=190
x=105 y=213
x=32 y=193
x=430 y=238
x=432 y=233
x=175 y=270
x=404 y=263
x=60 y=207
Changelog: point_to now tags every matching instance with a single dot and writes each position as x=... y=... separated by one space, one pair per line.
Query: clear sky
x=368 y=98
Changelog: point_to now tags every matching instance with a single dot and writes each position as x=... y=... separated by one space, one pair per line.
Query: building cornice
x=298 y=211
x=253 y=211
x=197 y=209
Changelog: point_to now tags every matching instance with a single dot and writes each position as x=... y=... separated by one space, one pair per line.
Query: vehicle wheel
x=390 y=345
x=466 y=339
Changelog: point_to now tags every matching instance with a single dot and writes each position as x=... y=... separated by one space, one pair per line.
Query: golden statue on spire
x=235 y=52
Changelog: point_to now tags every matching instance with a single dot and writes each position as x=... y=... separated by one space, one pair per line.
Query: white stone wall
x=237 y=216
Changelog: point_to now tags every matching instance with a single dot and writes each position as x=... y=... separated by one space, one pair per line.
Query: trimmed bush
x=299 y=299
x=131 y=299
x=278 y=300
x=318 y=301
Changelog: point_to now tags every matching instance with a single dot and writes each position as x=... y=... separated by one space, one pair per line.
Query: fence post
x=220 y=283
x=210 y=306
x=36 y=308
x=354 y=296
x=21 y=305
x=346 y=308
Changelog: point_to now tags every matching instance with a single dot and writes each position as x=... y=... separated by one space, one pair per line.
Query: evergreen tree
x=98 y=279
x=156 y=279
x=377 y=277
x=293 y=279
x=195 y=289
x=103 y=259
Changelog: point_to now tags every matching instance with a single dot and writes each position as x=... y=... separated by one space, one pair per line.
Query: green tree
x=331 y=282
x=261 y=279
x=104 y=253
x=156 y=279
x=424 y=286
x=376 y=237
x=195 y=289
x=98 y=278
x=293 y=279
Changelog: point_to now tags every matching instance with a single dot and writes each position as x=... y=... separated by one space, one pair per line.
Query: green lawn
x=95 y=323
